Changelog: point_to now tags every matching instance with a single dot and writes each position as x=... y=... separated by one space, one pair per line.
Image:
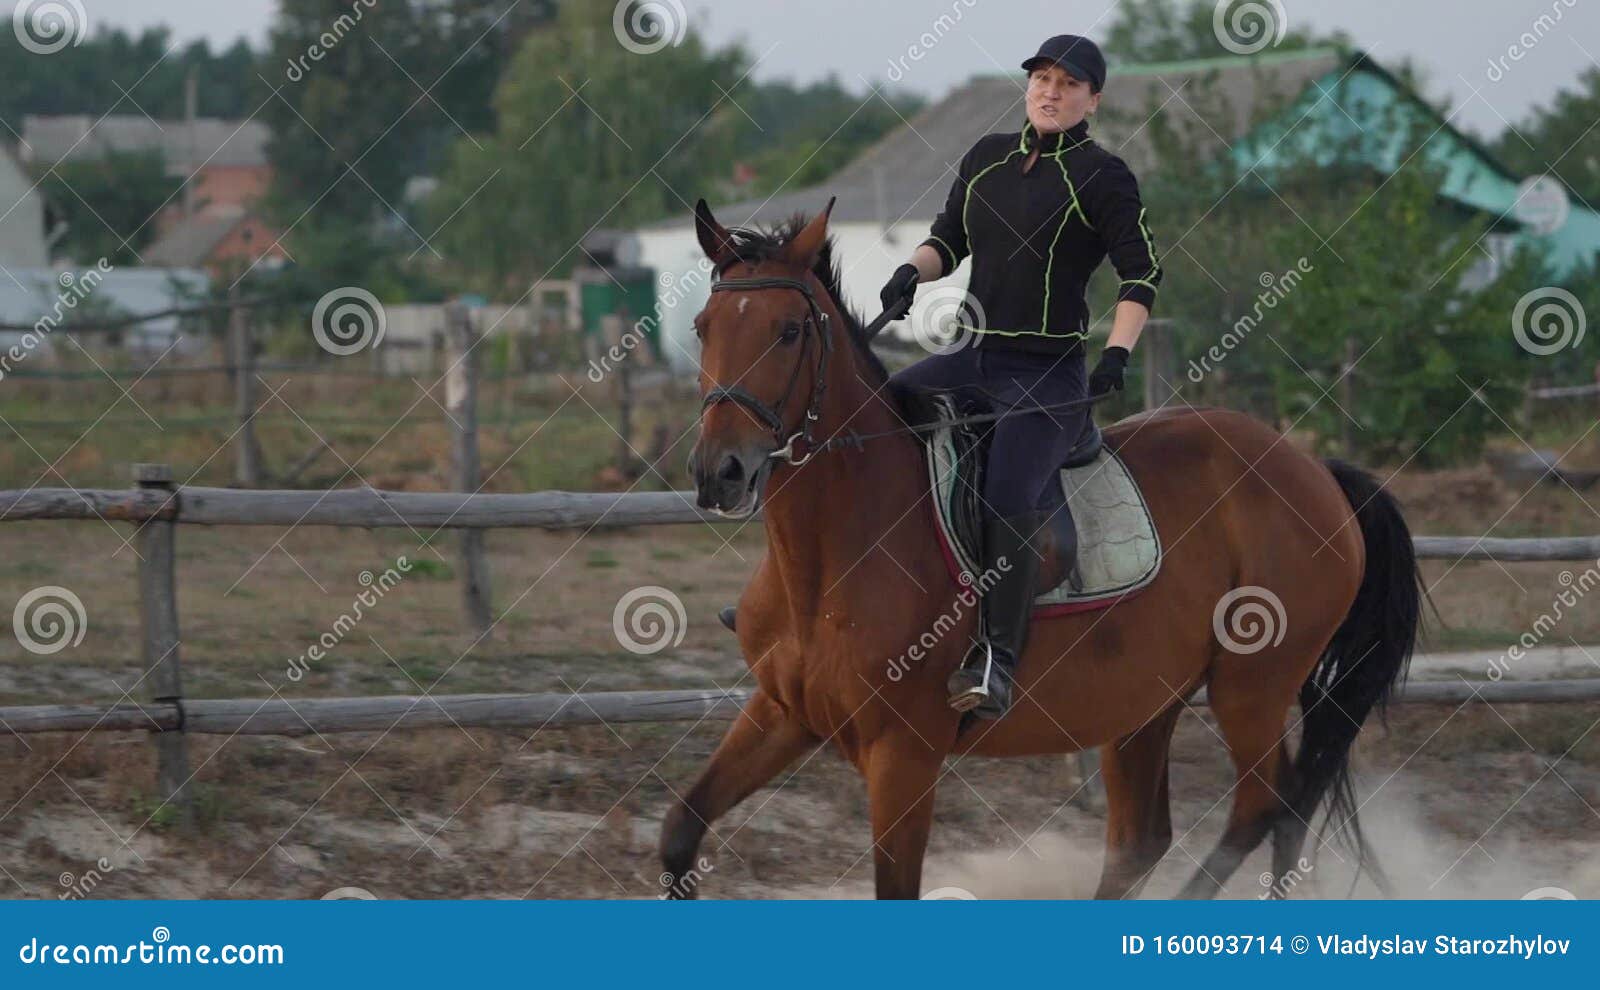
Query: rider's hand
x=1107 y=375
x=902 y=285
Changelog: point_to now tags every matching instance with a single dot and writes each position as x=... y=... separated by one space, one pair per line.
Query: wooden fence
x=157 y=507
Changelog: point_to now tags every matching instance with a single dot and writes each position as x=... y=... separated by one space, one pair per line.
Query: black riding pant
x=1026 y=450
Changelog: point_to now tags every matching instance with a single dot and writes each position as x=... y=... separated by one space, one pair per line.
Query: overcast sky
x=1453 y=40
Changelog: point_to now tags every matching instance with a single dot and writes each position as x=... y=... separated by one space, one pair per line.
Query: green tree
x=589 y=135
x=113 y=71
x=108 y=204
x=1561 y=139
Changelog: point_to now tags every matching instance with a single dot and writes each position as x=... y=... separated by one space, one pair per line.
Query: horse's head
x=766 y=335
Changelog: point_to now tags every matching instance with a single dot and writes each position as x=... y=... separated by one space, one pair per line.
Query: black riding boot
x=1011 y=558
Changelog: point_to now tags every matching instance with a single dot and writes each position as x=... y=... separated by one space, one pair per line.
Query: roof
x=191 y=242
x=906 y=174
x=185 y=146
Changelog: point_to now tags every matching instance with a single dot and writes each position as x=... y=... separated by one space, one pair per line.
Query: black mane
x=754 y=245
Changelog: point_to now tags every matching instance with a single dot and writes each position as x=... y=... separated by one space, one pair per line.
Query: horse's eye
x=791 y=332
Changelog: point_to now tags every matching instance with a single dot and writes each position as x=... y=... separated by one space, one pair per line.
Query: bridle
x=816 y=321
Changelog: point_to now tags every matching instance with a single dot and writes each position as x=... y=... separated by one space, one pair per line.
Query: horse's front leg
x=902 y=774
x=760 y=744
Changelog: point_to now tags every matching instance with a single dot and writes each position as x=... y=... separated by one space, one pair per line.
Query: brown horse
x=853 y=576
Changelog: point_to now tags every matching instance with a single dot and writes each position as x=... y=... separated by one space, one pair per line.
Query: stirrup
x=967 y=698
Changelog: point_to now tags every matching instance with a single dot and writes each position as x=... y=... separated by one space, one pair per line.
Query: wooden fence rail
x=371 y=508
x=159 y=507
x=309 y=716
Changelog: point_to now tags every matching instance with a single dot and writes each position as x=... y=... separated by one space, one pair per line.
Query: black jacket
x=1035 y=237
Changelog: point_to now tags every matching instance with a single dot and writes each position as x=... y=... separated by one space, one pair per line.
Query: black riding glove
x=902 y=285
x=1107 y=375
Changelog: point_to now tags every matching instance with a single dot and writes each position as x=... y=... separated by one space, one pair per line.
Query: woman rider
x=1037 y=211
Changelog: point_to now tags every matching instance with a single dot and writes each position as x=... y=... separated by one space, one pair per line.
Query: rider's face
x=1058 y=100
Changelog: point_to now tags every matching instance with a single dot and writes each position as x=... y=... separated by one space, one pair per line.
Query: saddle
x=1119 y=550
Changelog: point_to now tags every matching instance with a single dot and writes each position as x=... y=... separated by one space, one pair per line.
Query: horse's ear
x=803 y=247
x=714 y=238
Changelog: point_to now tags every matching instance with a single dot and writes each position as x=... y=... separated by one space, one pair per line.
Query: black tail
x=1363 y=664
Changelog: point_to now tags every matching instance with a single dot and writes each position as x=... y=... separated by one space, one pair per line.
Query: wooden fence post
x=1347 y=396
x=461 y=400
x=158 y=613
x=247 y=451
x=1158 y=364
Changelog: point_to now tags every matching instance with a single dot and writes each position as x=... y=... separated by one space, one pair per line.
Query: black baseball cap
x=1079 y=56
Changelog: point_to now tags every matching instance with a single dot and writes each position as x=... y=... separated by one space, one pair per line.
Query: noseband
x=772 y=416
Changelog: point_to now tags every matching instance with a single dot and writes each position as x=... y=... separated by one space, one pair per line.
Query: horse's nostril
x=731 y=469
